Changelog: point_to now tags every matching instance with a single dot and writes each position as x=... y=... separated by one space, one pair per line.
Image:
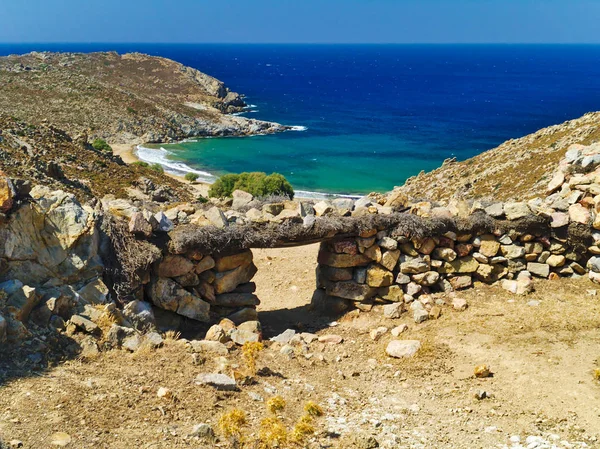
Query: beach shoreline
x=127 y=153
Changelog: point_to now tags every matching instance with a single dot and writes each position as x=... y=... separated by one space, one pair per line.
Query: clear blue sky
x=282 y=21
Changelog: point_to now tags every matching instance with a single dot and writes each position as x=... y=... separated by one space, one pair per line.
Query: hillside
x=518 y=169
x=131 y=98
x=44 y=154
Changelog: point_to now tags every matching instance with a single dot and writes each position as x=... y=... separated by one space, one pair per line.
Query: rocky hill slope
x=131 y=98
x=516 y=170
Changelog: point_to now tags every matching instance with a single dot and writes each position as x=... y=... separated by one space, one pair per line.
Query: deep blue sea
x=377 y=114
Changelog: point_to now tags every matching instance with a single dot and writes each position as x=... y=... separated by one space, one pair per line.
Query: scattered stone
x=377 y=333
x=403 y=348
x=218 y=381
x=393 y=311
x=399 y=329
x=213 y=347
x=459 y=304
x=285 y=337
x=331 y=339
x=60 y=439
x=482 y=371
x=204 y=431
x=164 y=393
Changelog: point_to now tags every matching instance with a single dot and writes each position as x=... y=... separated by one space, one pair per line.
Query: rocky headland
x=131 y=98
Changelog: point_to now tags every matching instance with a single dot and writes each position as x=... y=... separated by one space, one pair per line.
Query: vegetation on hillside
x=258 y=184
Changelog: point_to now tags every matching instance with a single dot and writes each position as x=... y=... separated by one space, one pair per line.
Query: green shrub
x=224 y=186
x=255 y=183
x=191 y=177
x=157 y=168
x=140 y=164
x=101 y=145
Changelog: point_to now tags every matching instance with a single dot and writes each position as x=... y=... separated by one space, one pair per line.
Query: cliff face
x=131 y=98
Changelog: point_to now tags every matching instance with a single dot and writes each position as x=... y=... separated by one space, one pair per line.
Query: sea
x=367 y=117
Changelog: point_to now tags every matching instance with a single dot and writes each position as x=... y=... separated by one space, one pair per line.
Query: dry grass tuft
x=313 y=409
x=275 y=404
x=597 y=374
x=172 y=335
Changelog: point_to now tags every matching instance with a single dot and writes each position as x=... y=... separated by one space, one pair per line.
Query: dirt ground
x=542 y=393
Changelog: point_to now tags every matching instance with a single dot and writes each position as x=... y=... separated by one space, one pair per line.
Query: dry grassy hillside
x=517 y=169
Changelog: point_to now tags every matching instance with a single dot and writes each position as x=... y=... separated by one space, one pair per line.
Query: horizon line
x=289 y=43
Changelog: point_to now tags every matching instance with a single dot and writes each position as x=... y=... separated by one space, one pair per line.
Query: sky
x=300 y=21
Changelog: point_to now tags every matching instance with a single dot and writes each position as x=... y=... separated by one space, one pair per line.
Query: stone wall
x=55 y=253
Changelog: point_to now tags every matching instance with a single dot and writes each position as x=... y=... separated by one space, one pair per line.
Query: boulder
x=555 y=183
x=579 y=214
x=84 y=324
x=322 y=208
x=167 y=294
x=413 y=265
x=517 y=210
x=342 y=260
x=174 y=266
x=95 y=292
x=350 y=290
x=140 y=314
x=216 y=217
x=378 y=276
x=218 y=381
x=390 y=258
x=393 y=310
x=7 y=193
x=212 y=347
x=402 y=348
x=163 y=222
x=427 y=279
x=242 y=336
x=539 y=269
x=22 y=301
x=236 y=300
x=489 y=246
x=233 y=261
x=139 y=225
x=206 y=263
x=227 y=281
x=243 y=315
x=241 y=199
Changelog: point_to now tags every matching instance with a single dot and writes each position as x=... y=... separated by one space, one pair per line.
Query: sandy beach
x=127 y=153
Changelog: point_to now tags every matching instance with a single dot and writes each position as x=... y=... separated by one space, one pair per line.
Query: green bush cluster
x=101 y=145
x=256 y=183
x=191 y=177
x=154 y=167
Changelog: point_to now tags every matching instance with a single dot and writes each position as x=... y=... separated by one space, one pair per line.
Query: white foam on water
x=298 y=128
x=161 y=156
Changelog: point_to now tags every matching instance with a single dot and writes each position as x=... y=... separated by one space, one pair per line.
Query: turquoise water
x=313 y=164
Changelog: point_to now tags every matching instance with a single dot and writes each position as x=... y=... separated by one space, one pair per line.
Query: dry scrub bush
x=275 y=404
x=272 y=433
x=250 y=352
x=303 y=429
x=313 y=409
x=231 y=425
